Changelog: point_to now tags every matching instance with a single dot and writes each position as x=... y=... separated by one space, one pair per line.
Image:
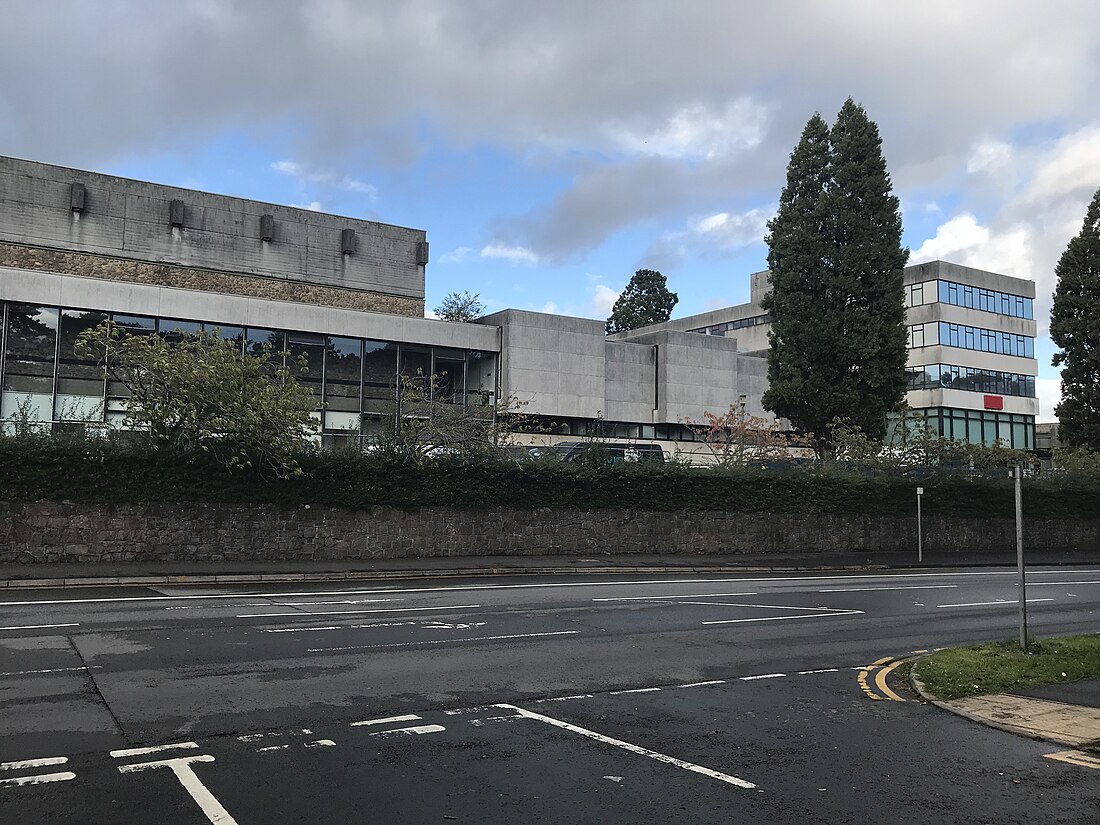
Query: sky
x=552 y=149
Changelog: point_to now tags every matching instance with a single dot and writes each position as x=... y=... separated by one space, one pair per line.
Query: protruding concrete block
x=175 y=213
x=348 y=242
x=422 y=252
x=267 y=227
x=76 y=197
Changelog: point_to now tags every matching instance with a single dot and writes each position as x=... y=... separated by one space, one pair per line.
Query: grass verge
x=1001 y=667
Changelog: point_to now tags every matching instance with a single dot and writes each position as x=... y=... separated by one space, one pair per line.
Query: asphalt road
x=749 y=698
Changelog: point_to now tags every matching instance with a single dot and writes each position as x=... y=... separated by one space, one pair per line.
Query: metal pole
x=920 y=534
x=1016 y=474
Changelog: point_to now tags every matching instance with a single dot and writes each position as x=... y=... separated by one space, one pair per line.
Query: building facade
x=971 y=335
x=77 y=248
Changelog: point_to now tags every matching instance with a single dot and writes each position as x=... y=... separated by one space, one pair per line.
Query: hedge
x=32 y=469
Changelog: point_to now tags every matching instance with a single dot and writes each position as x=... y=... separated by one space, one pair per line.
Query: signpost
x=920 y=535
x=1017 y=473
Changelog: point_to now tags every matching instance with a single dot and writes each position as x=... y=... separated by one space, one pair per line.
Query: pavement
x=586 y=697
x=36 y=575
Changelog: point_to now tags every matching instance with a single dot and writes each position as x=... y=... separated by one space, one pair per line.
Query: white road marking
x=1054 y=584
x=155 y=749
x=442 y=641
x=51 y=670
x=343 y=601
x=186 y=775
x=419 y=730
x=423 y=625
x=677 y=596
x=299 y=614
x=39 y=779
x=384 y=591
x=567 y=698
x=23 y=764
x=703 y=684
x=822 y=670
x=869 y=589
x=762 y=676
x=787 y=618
x=408 y=717
x=251 y=737
x=321 y=743
x=272 y=748
x=627 y=746
x=1001 y=603
x=39 y=626
x=635 y=690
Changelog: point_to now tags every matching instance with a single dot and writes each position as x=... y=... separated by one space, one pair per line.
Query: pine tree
x=1075 y=328
x=838 y=312
x=646 y=300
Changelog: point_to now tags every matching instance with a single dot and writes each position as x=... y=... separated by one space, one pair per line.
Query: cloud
x=603 y=300
x=456 y=256
x=718 y=234
x=549 y=307
x=1049 y=391
x=515 y=254
x=296 y=170
x=989 y=156
x=312 y=206
x=697 y=131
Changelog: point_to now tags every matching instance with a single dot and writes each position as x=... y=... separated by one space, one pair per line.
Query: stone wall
x=45 y=531
x=108 y=268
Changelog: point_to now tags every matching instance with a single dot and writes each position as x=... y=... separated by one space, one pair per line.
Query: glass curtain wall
x=355 y=381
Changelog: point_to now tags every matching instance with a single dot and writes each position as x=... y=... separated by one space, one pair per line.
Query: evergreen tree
x=646 y=300
x=838 y=311
x=1075 y=328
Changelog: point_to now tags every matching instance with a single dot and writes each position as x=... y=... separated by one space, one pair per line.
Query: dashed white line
x=386 y=720
x=299 y=614
x=627 y=746
x=419 y=730
x=421 y=624
x=677 y=596
x=154 y=749
x=869 y=589
x=567 y=698
x=321 y=743
x=822 y=670
x=50 y=670
x=1001 y=603
x=23 y=764
x=272 y=748
x=40 y=626
x=788 y=618
x=40 y=779
x=703 y=684
x=442 y=641
x=181 y=767
x=635 y=690
x=762 y=676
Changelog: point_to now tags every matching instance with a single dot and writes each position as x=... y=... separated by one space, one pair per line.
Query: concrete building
x=78 y=247
x=972 y=365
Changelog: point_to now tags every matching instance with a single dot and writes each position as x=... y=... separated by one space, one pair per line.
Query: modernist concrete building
x=972 y=364
x=78 y=247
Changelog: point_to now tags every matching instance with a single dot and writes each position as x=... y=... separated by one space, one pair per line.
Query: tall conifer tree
x=1075 y=328
x=837 y=304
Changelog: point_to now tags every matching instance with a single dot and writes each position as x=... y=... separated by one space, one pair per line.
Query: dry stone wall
x=50 y=531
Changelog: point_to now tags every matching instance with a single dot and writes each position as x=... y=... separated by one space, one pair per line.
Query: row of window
x=966 y=337
x=349 y=376
x=991 y=382
x=983 y=427
x=964 y=295
x=741 y=323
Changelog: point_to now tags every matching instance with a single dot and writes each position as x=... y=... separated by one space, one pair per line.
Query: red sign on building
x=994 y=402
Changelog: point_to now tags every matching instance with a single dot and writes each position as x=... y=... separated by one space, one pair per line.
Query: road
x=727 y=698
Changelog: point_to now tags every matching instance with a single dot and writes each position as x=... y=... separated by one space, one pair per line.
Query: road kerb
x=919 y=687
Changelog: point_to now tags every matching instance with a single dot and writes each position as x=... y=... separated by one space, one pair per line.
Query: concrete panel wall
x=629 y=382
x=130 y=219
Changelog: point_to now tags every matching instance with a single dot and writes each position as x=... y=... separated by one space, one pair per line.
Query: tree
x=460 y=306
x=201 y=394
x=838 y=338
x=1075 y=328
x=646 y=300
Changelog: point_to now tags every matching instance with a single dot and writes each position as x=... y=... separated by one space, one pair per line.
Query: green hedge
x=108 y=473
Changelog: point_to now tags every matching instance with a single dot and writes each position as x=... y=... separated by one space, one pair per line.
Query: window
x=343 y=374
x=380 y=377
x=986 y=340
x=29 y=353
x=987 y=300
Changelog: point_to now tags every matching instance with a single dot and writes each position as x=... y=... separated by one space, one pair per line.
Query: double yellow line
x=883 y=667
